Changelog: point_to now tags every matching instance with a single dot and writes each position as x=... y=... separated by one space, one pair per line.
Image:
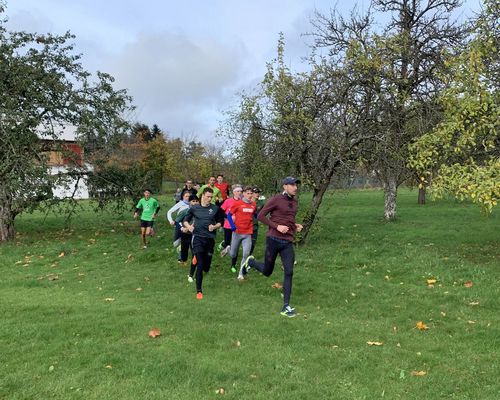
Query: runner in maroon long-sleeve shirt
x=282 y=227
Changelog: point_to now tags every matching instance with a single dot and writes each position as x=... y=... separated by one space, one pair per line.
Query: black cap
x=256 y=189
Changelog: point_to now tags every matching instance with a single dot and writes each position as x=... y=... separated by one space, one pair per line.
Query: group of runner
x=200 y=213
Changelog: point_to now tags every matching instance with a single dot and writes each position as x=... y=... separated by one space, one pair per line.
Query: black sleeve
x=219 y=216
x=157 y=210
x=188 y=217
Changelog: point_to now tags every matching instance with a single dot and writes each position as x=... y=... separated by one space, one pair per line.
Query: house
x=64 y=154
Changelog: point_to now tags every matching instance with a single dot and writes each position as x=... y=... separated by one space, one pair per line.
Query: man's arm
x=267 y=209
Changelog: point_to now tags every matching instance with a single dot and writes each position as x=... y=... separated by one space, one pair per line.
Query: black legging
x=285 y=249
x=203 y=249
x=185 y=245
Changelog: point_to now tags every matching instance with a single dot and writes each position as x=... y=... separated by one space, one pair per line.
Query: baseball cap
x=290 y=180
x=256 y=189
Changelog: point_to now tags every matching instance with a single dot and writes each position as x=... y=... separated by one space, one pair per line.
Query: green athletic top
x=217 y=193
x=149 y=207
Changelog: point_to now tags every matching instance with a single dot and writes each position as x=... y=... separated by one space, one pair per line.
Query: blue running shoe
x=288 y=311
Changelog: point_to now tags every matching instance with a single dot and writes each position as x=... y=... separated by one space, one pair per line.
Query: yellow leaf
x=468 y=284
x=421 y=326
x=61 y=255
x=109 y=299
x=277 y=285
x=418 y=373
x=431 y=281
x=474 y=303
x=375 y=343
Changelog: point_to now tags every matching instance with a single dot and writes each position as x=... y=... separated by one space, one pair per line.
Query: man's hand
x=299 y=227
x=172 y=223
x=212 y=228
x=282 y=229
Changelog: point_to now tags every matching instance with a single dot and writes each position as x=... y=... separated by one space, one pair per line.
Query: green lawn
x=77 y=306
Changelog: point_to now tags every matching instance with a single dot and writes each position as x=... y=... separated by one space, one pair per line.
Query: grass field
x=77 y=306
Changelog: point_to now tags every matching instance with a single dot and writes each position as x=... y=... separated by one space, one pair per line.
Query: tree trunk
x=421 y=194
x=390 y=194
x=7 y=231
x=310 y=216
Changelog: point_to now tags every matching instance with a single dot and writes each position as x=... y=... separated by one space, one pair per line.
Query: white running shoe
x=224 y=252
x=190 y=279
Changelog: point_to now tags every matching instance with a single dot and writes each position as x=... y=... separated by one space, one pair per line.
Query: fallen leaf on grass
x=468 y=284
x=421 y=326
x=53 y=277
x=375 y=343
x=277 y=285
x=108 y=366
x=138 y=289
x=130 y=258
x=109 y=299
x=474 y=303
x=431 y=282
x=471 y=322
x=62 y=254
x=155 y=332
x=418 y=373
x=220 y=391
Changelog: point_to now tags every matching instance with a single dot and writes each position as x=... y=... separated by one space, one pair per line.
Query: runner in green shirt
x=150 y=208
x=217 y=195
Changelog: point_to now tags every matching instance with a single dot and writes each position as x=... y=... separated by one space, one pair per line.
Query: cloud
x=173 y=75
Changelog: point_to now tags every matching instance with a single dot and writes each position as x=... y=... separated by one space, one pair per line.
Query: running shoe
x=224 y=252
x=199 y=296
x=246 y=267
x=144 y=247
x=190 y=279
x=288 y=311
x=241 y=277
x=233 y=269
x=220 y=246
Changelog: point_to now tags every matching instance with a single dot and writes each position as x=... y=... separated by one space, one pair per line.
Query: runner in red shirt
x=222 y=186
x=242 y=213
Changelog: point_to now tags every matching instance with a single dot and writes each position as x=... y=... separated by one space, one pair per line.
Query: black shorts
x=146 y=224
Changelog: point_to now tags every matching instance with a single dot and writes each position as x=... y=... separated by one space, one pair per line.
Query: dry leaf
x=61 y=254
x=108 y=366
x=109 y=299
x=431 y=281
x=418 y=373
x=53 y=277
x=421 y=326
x=375 y=343
x=471 y=322
x=138 y=289
x=468 y=284
x=220 y=391
x=277 y=285
x=155 y=332
x=474 y=303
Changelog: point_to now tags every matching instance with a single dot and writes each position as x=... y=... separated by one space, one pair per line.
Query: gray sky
x=182 y=61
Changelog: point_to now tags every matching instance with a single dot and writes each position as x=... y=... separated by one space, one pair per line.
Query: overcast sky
x=183 y=61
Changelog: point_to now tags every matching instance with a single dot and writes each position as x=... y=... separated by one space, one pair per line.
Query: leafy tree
x=399 y=67
x=43 y=88
x=305 y=123
x=462 y=154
